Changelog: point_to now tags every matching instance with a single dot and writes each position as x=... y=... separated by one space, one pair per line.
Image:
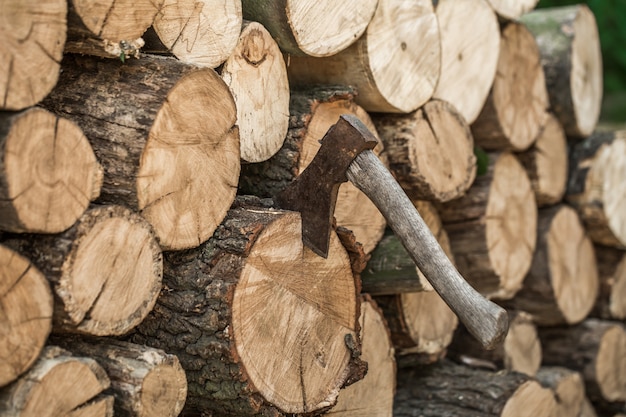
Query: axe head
x=314 y=192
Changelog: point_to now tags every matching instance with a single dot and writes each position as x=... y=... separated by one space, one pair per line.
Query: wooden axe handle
x=486 y=321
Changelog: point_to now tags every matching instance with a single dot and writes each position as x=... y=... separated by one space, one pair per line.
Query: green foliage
x=482 y=160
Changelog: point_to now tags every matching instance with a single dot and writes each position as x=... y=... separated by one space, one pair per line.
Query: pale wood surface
x=512 y=9
x=611 y=302
x=568 y=386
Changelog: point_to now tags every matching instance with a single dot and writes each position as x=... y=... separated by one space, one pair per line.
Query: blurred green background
x=611 y=19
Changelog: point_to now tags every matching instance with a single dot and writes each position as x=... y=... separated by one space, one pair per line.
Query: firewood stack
x=151 y=274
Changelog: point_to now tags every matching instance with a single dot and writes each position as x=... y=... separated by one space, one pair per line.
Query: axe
x=346 y=154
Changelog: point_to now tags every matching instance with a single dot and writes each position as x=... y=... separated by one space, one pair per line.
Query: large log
x=395 y=65
x=164 y=133
x=572 y=62
x=611 y=301
x=105 y=270
x=469 y=54
x=25 y=314
x=512 y=9
x=596 y=187
x=568 y=387
x=253 y=321
x=562 y=283
x=48 y=172
x=515 y=110
x=430 y=151
x=317 y=29
x=262 y=113
x=492 y=228
x=33 y=35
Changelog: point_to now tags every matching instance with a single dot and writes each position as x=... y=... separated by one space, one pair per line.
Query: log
x=59 y=384
x=572 y=62
x=562 y=284
x=451 y=390
x=546 y=163
x=105 y=270
x=320 y=29
x=48 y=172
x=596 y=188
x=373 y=395
x=611 y=301
x=262 y=113
x=512 y=9
x=162 y=156
x=313 y=112
x=469 y=54
x=587 y=410
x=25 y=314
x=515 y=110
x=251 y=319
x=394 y=66
x=594 y=348
x=492 y=229
x=419 y=146
x=568 y=387
x=520 y=352
x=144 y=381
x=33 y=34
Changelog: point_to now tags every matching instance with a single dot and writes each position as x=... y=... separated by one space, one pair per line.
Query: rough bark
x=611 y=301
x=568 y=387
x=419 y=148
x=572 y=62
x=105 y=270
x=25 y=314
x=33 y=34
x=515 y=110
x=394 y=66
x=512 y=9
x=48 y=172
x=161 y=154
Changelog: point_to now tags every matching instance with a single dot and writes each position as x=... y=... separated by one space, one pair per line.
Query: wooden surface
x=512 y=9
x=568 y=387
x=611 y=301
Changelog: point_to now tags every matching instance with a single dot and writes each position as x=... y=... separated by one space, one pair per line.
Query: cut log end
x=512 y=9
x=610 y=366
x=611 y=304
x=522 y=349
x=568 y=387
x=530 y=400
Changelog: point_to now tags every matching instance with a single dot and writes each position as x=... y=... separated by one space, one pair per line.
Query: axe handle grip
x=485 y=320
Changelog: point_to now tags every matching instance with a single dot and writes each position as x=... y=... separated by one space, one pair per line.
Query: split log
x=512 y=9
x=48 y=172
x=596 y=186
x=568 y=387
x=199 y=32
x=546 y=163
x=395 y=65
x=317 y=29
x=596 y=349
x=520 y=352
x=373 y=395
x=251 y=318
x=105 y=270
x=419 y=146
x=59 y=384
x=611 y=301
x=312 y=114
x=469 y=54
x=33 y=35
x=164 y=133
x=262 y=113
x=572 y=62
x=562 y=284
x=515 y=110
x=145 y=381
x=25 y=314
x=447 y=389
x=492 y=228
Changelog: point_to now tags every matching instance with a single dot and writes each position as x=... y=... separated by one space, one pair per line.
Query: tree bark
x=572 y=62
x=596 y=188
x=562 y=284
x=469 y=54
x=419 y=147
x=394 y=66
x=25 y=314
x=512 y=9
x=150 y=131
x=515 y=110
x=492 y=228
x=32 y=47
x=568 y=387
x=105 y=270
x=546 y=163
x=250 y=316
x=48 y=172
x=59 y=384
x=611 y=301
x=320 y=29
x=262 y=113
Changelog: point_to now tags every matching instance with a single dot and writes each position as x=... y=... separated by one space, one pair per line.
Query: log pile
x=147 y=270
